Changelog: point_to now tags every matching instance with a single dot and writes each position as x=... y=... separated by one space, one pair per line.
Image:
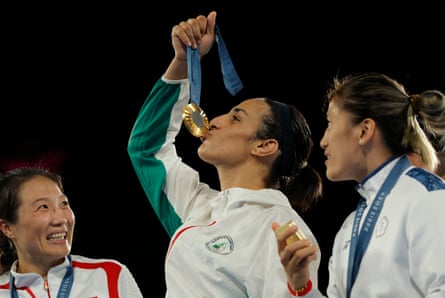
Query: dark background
x=75 y=75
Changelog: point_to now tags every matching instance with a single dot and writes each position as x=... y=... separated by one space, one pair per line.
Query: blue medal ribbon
x=360 y=238
x=232 y=82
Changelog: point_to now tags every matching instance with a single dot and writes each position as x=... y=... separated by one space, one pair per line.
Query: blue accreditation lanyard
x=65 y=286
x=232 y=82
x=360 y=238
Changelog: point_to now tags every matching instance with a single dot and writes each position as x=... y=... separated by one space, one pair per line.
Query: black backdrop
x=75 y=76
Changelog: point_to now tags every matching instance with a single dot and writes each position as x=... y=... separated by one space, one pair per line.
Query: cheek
x=70 y=216
x=341 y=137
x=27 y=232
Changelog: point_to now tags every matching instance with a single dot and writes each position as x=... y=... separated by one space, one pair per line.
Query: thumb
x=211 y=21
x=275 y=225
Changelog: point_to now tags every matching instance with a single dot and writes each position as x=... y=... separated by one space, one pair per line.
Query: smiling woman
x=36 y=235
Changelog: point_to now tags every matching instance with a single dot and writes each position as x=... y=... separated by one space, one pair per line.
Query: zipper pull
x=45 y=283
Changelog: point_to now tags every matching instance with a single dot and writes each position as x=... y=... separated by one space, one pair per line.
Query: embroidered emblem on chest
x=221 y=245
x=380 y=229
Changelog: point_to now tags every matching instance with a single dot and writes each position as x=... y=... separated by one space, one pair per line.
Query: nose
x=323 y=142
x=212 y=126
x=60 y=216
x=214 y=123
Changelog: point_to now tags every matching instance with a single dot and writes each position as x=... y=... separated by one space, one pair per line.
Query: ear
x=367 y=131
x=5 y=228
x=265 y=147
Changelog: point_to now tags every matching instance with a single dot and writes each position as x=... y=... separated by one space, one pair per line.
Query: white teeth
x=57 y=236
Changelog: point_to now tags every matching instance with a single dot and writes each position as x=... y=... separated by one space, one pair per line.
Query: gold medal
x=195 y=120
x=294 y=237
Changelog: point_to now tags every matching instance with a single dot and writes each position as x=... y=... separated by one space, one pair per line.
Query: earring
x=360 y=142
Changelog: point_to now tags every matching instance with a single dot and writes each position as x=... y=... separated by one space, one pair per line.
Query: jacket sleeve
x=172 y=187
x=153 y=129
x=127 y=284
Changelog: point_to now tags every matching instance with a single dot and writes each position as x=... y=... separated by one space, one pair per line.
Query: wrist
x=300 y=291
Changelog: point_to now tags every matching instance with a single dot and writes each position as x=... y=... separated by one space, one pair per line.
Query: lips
x=204 y=137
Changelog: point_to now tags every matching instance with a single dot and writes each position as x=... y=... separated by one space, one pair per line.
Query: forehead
x=334 y=109
x=38 y=187
x=254 y=106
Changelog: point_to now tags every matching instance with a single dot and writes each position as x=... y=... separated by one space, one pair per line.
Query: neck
x=249 y=178
x=39 y=268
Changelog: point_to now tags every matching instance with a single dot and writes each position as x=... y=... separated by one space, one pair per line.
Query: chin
x=332 y=176
x=202 y=153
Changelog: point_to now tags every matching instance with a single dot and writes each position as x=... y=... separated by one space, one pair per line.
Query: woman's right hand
x=295 y=257
x=194 y=31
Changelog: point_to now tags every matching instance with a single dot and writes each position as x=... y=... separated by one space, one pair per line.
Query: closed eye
x=236 y=112
x=42 y=206
x=235 y=118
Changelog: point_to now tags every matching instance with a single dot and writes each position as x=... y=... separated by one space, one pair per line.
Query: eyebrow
x=45 y=199
x=239 y=110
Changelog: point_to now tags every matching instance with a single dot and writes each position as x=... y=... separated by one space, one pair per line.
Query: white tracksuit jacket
x=405 y=257
x=222 y=244
x=98 y=278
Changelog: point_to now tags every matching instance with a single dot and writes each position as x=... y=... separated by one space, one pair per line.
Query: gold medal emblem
x=195 y=120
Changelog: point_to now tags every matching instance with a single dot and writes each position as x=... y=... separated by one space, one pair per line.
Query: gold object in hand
x=298 y=235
